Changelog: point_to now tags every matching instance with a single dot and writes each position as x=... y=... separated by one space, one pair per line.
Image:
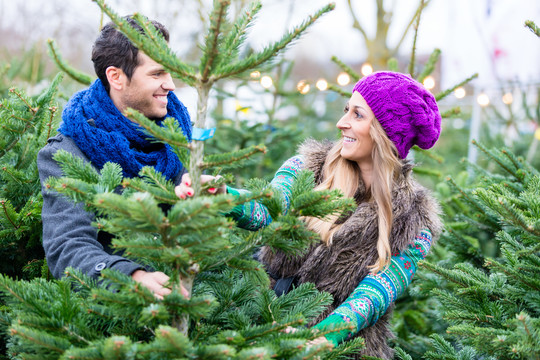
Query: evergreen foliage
x=27 y=123
x=488 y=290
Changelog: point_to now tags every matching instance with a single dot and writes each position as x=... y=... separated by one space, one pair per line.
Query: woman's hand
x=185 y=190
x=317 y=341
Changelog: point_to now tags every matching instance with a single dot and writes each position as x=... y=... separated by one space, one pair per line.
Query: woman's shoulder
x=311 y=147
x=314 y=153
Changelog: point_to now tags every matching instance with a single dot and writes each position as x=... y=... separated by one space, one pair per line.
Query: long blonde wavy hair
x=343 y=174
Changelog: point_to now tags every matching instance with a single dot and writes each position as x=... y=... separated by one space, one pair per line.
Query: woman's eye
x=358 y=115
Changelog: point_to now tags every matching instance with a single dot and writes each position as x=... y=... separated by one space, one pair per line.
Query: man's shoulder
x=55 y=143
x=61 y=142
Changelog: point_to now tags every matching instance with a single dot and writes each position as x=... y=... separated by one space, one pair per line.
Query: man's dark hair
x=112 y=48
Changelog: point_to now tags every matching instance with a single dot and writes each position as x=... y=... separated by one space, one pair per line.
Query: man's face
x=147 y=90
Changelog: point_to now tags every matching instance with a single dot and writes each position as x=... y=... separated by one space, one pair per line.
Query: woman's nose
x=343 y=123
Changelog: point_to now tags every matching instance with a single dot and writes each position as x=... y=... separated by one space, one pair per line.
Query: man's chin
x=157 y=116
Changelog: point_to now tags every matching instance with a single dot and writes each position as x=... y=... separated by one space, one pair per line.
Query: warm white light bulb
x=266 y=81
x=483 y=99
x=508 y=98
x=255 y=74
x=343 y=79
x=366 y=69
x=322 y=84
x=303 y=87
x=429 y=82
x=460 y=92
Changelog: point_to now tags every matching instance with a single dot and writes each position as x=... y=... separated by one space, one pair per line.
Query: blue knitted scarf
x=115 y=138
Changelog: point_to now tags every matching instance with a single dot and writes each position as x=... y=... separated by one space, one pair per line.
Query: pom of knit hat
x=406 y=110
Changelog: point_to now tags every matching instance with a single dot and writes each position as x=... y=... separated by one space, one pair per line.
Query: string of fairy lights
x=343 y=79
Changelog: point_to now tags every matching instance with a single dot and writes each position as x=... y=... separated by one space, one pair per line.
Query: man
x=94 y=129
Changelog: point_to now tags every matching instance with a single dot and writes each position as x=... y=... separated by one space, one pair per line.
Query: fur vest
x=339 y=268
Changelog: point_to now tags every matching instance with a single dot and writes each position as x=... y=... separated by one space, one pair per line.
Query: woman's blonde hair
x=340 y=173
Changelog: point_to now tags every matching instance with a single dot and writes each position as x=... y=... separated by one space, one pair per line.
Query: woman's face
x=354 y=126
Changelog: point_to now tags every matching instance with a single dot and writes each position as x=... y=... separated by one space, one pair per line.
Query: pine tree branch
x=4 y=207
x=465 y=195
x=429 y=154
x=18 y=94
x=163 y=55
x=27 y=127
x=494 y=158
x=532 y=26
x=53 y=110
x=236 y=38
x=340 y=91
x=511 y=272
x=126 y=183
x=455 y=111
x=222 y=159
x=447 y=274
x=36 y=338
x=510 y=156
x=271 y=51
x=353 y=74
x=65 y=67
x=175 y=138
x=406 y=30
x=217 y=18
x=274 y=328
x=150 y=30
x=430 y=65
x=412 y=62
x=444 y=94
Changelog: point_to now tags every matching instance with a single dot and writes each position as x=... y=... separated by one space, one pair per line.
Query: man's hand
x=185 y=190
x=155 y=282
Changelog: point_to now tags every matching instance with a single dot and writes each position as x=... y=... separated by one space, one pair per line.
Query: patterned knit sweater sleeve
x=254 y=216
x=376 y=292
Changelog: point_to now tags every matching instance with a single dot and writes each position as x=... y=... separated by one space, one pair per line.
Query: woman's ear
x=116 y=77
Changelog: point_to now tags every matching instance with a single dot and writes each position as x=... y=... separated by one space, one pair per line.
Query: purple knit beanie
x=406 y=110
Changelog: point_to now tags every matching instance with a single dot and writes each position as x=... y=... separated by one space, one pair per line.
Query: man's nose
x=168 y=84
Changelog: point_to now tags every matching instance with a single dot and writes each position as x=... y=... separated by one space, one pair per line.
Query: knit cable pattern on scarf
x=115 y=138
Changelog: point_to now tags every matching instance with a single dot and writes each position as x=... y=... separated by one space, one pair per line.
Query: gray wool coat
x=69 y=239
x=339 y=268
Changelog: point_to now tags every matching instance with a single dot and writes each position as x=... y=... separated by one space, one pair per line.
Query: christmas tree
x=27 y=123
x=229 y=311
x=491 y=302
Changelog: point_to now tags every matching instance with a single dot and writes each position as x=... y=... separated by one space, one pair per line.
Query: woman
x=366 y=260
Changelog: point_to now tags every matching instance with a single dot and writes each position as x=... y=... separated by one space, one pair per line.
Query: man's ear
x=116 y=77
